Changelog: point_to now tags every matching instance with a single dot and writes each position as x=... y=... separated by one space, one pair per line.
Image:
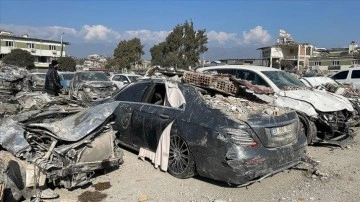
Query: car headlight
x=87 y=89
x=328 y=117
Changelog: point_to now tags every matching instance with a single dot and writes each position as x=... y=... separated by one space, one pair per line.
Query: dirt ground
x=338 y=179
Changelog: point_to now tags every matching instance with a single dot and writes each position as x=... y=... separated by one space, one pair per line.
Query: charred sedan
x=185 y=131
x=63 y=148
x=91 y=86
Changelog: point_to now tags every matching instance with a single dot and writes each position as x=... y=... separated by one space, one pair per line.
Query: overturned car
x=187 y=131
x=91 y=86
x=324 y=116
x=63 y=148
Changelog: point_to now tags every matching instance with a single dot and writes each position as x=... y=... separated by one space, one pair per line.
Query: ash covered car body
x=14 y=79
x=91 y=86
x=61 y=147
x=186 y=131
x=324 y=116
x=38 y=81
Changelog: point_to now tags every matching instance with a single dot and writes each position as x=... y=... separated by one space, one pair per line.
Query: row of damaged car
x=210 y=125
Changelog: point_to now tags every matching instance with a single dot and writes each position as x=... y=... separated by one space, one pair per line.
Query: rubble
x=239 y=108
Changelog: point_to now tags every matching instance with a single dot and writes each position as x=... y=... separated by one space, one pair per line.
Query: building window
x=9 y=43
x=30 y=45
x=318 y=63
x=291 y=51
x=51 y=47
x=336 y=62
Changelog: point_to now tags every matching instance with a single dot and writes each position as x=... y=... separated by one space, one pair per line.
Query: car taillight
x=241 y=137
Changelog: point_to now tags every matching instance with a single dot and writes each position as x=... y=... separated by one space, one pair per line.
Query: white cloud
x=256 y=35
x=222 y=37
x=98 y=32
x=147 y=36
x=52 y=33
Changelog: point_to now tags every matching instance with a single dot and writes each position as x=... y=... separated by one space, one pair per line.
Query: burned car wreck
x=187 y=131
x=325 y=117
x=14 y=79
x=59 y=147
x=91 y=86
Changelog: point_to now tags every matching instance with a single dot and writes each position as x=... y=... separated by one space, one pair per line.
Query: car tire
x=181 y=161
x=308 y=127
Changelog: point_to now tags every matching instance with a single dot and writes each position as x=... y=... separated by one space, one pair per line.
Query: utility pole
x=62 y=47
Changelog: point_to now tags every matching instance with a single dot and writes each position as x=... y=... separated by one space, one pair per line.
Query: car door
x=355 y=78
x=131 y=98
x=152 y=117
x=341 y=76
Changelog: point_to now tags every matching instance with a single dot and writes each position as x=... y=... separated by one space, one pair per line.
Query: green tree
x=21 y=58
x=127 y=53
x=67 y=64
x=182 y=47
x=158 y=54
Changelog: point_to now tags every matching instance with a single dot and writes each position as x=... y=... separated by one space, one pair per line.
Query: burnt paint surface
x=202 y=127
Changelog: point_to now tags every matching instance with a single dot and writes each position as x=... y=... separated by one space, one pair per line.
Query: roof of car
x=246 y=67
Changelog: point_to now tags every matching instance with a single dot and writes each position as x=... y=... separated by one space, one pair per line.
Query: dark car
x=223 y=138
x=91 y=86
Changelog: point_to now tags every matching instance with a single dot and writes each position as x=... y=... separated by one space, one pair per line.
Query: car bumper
x=241 y=166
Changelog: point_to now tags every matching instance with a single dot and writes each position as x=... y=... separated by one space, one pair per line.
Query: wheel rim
x=179 y=155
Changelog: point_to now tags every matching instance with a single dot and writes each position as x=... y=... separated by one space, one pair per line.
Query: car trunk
x=275 y=130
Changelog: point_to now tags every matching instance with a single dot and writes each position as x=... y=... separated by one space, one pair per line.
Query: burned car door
x=152 y=117
x=132 y=95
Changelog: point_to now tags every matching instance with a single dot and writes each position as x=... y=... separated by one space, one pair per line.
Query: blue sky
x=235 y=28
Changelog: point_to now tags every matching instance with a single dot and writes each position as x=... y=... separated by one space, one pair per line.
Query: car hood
x=71 y=129
x=99 y=84
x=320 y=100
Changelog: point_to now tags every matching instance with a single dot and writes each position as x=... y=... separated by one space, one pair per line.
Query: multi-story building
x=286 y=51
x=43 y=50
x=334 y=59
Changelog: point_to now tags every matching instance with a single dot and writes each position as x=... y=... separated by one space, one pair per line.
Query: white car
x=350 y=76
x=318 y=110
x=122 y=80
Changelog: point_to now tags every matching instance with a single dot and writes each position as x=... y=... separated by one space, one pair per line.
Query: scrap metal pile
x=46 y=139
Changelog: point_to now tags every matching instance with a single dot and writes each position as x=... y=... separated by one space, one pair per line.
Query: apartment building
x=44 y=50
